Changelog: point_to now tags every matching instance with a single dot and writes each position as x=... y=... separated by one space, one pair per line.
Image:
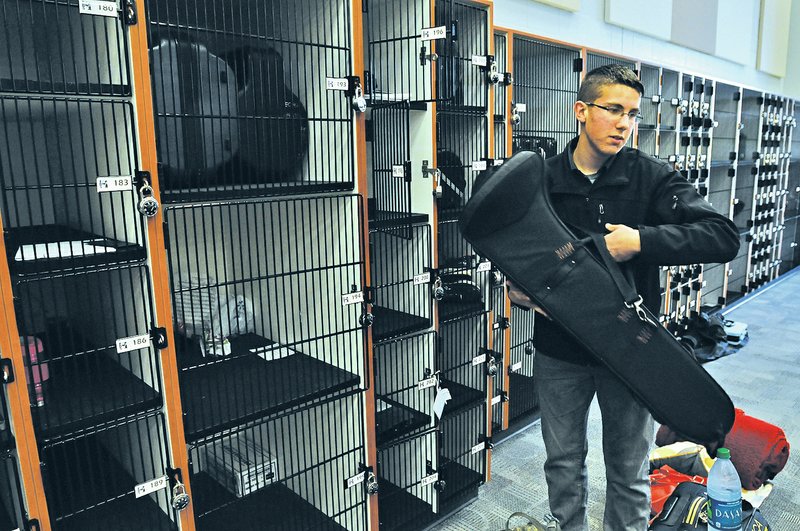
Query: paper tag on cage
x=442 y=397
x=515 y=367
x=498 y=162
x=479 y=60
x=484 y=266
x=101 y=8
x=398 y=170
x=337 y=83
x=480 y=358
x=426 y=383
x=424 y=278
x=352 y=298
x=122 y=183
x=521 y=107
x=478 y=447
x=479 y=165
x=497 y=399
x=431 y=34
x=127 y=344
x=427 y=480
x=143 y=489
x=355 y=480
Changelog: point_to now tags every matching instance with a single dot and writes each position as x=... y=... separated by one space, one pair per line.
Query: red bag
x=663 y=482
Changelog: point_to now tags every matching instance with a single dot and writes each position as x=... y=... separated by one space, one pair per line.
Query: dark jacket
x=676 y=225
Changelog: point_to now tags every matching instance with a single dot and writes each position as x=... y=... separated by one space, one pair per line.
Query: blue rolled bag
x=510 y=221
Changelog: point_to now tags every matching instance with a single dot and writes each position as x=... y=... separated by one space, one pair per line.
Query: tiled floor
x=763 y=378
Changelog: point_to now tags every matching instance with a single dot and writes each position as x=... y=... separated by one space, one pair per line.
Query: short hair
x=603 y=76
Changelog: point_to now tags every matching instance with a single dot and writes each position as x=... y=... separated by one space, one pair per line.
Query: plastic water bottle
x=724 y=494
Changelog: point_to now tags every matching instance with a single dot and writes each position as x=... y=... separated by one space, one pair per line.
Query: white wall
x=587 y=27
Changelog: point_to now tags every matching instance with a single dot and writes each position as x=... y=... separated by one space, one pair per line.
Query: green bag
x=532 y=525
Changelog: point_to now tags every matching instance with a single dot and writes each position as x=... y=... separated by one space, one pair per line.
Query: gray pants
x=565 y=394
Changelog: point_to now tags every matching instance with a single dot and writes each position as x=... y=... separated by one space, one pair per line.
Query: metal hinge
x=577 y=65
x=130 y=14
x=159 y=337
x=141 y=177
x=8 y=370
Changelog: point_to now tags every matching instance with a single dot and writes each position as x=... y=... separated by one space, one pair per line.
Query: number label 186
x=127 y=344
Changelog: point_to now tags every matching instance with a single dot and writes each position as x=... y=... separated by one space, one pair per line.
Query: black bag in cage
x=274 y=124
x=454 y=183
x=195 y=102
x=544 y=145
x=509 y=219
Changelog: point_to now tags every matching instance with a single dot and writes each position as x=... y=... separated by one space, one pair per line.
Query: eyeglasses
x=618 y=112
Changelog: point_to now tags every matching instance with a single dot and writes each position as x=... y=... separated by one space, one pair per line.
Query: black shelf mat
x=383 y=219
x=100 y=483
x=244 y=387
x=454 y=310
x=273 y=507
x=391 y=323
x=49 y=234
x=461 y=397
x=82 y=393
x=234 y=191
x=397 y=421
x=400 y=510
x=459 y=481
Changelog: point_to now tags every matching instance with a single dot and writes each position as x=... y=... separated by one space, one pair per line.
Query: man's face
x=606 y=132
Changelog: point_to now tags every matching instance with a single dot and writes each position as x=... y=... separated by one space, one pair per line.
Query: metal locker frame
x=522 y=390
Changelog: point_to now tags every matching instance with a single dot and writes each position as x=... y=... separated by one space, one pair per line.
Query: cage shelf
x=45 y=248
x=399 y=509
x=209 y=405
x=51 y=87
x=272 y=508
x=455 y=310
x=461 y=397
x=382 y=219
x=106 y=499
x=396 y=421
x=392 y=323
x=79 y=395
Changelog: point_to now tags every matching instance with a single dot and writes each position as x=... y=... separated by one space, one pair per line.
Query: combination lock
x=180 y=500
x=493 y=74
x=148 y=206
x=438 y=290
x=359 y=102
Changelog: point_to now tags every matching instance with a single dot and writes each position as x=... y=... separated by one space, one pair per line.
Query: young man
x=651 y=217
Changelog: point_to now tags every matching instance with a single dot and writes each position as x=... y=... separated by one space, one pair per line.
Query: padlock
x=493 y=74
x=148 y=206
x=438 y=290
x=515 y=117
x=359 y=102
x=180 y=500
x=366 y=319
x=372 y=484
x=491 y=367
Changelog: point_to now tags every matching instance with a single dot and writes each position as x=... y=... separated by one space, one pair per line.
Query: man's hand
x=518 y=297
x=623 y=242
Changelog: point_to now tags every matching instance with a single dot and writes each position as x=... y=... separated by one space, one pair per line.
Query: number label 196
x=431 y=34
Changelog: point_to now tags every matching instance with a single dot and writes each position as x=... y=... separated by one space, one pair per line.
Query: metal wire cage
x=462 y=360
x=463 y=444
x=521 y=389
x=546 y=81
x=401 y=278
x=405 y=371
x=464 y=63
x=500 y=325
x=288 y=471
x=246 y=97
x=267 y=300
x=56 y=47
x=91 y=480
x=12 y=508
x=89 y=359
x=400 y=52
x=67 y=168
x=463 y=274
x=408 y=480
x=646 y=131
